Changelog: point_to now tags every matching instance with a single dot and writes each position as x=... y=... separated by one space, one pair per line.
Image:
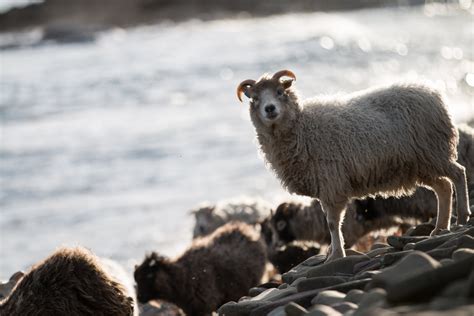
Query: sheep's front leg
x=334 y=216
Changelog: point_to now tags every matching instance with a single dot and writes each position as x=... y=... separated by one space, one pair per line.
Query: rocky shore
x=410 y=274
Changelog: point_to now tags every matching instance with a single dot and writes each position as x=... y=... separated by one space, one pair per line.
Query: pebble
x=462 y=253
x=380 y=251
x=319 y=282
x=279 y=311
x=328 y=298
x=354 y=296
x=323 y=310
x=342 y=266
x=344 y=307
x=398 y=242
x=294 y=309
x=274 y=294
x=375 y=297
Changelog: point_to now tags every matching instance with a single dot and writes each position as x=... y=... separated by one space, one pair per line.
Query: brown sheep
x=69 y=282
x=384 y=141
x=218 y=268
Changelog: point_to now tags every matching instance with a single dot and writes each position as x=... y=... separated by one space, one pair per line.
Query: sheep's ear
x=287 y=83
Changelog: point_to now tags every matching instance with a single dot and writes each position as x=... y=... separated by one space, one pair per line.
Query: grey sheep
x=218 y=268
x=298 y=221
x=208 y=217
x=384 y=141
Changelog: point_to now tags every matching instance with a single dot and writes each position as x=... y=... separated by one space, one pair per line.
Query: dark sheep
x=69 y=282
x=216 y=269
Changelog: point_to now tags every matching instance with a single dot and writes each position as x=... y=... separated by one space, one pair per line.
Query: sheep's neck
x=177 y=283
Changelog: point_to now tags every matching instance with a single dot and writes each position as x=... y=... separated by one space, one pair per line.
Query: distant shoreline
x=104 y=14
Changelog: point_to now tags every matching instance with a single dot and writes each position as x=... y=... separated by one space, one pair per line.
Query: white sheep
x=382 y=141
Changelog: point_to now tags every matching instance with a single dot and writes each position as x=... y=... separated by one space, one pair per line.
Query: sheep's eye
x=281 y=225
x=279 y=92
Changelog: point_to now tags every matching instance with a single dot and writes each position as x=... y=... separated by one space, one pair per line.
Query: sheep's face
x=281 y=221
x=149 y=278
x=206 y=221
x=271 y=98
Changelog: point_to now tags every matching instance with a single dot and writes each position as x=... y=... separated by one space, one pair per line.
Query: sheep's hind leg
x=334 y=216
x=444 y=192
x=458 y=176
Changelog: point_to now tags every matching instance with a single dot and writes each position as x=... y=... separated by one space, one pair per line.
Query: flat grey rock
x=413 y=264
x=294 y=309
x=354 y=296
x=323 y=310
x=344 y=307
x=328 y=298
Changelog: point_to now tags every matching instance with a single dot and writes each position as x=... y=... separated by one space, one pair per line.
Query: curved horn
x=242 y=86
x=283 y=73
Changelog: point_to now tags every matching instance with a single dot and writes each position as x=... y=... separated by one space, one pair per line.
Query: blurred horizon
x=110 y=136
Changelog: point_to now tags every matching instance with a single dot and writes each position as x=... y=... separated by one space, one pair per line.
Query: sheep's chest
x=299 y=178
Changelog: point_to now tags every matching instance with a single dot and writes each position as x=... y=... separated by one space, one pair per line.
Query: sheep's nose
x=270 y=108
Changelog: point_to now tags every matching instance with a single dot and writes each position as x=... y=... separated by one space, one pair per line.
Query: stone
x=390 y=258
x=380 y=251
x=279 y=311
x=239 y=309
x=298 y=281
x=411 y=265
x=319 y=282
x=274 y=294
x=366 y=274
x=446 y=249
x=294 y=309
x=344 y=307
x=295 y=273
x=446 y=261
x=448 y=303
x=314 y=260
x=328 y=297
x=435 y=241
x=342 y=266
x=462 y=253
x=322 y=310
x=398 y=242
x=256 y=291
x=426 y=284
x=373 y=298
x=373 y=263
x=456 y=289
x=409 y=246
x=354 y=296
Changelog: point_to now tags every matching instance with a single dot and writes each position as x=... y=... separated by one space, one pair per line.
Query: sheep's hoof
x=335 y=255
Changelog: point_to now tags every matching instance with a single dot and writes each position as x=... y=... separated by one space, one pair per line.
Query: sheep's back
x=383 y=139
